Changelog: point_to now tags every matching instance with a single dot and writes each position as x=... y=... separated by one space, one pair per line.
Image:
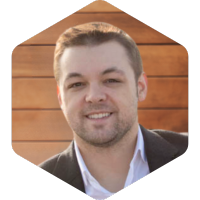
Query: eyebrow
x=107 y=71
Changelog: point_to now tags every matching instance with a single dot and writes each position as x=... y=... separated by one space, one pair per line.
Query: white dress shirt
x=138 y=169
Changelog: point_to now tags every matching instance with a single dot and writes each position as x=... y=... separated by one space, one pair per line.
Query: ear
x=59 y=96
x=142 y=87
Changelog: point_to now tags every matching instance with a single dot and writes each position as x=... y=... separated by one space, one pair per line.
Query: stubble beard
x=120 y=128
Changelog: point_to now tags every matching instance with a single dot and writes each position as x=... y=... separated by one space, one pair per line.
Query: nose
x=95 y=94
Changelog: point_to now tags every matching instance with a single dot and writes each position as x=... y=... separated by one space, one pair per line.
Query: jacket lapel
x=67 y=168
x=158 y=151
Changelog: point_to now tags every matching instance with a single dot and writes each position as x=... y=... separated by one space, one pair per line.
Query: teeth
x=98 y=116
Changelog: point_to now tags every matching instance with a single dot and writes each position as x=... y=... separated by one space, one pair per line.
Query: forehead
x=94 y=59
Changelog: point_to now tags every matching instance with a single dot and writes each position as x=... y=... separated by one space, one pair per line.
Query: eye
x=76 y=85
x=112 y=81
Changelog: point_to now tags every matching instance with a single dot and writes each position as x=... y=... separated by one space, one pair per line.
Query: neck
x=110 y=165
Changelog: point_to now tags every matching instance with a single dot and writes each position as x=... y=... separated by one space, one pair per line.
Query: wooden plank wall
x=39 y=129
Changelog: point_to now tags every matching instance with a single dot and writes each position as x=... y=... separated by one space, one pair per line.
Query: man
x=100 y=80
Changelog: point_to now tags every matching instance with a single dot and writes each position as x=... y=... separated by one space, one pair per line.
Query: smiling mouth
x=99 y=115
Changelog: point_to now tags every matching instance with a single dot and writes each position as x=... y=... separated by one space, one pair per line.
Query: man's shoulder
x=178 y=140
x=55 y=162
x=50 y=164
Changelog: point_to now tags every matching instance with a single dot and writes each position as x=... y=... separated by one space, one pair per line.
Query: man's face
x=98 y=93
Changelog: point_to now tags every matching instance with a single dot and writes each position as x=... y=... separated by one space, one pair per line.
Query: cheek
x=73 y=104
x=127 y=100
x=127 y=103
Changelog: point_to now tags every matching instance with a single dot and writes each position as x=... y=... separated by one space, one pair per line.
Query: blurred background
x=39 y=129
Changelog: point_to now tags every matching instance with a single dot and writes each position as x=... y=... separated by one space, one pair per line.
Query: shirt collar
x=83 y=168
x=138 y=149
x=140 y=146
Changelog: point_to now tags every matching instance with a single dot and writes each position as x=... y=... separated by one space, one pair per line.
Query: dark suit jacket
x=161 y=147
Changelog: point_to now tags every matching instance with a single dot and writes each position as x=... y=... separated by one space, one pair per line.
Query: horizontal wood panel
x=41 y=93
x=40 y=125
x=167 y=60
x=51 y=125
x=174 y=120
x=99 y=6
x=37 y=152
x=139 y=31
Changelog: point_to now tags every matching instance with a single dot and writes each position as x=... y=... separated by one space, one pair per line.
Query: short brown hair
x=95 y=33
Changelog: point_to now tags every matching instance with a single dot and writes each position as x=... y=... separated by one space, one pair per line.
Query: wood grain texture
x=167 y=60
x=166 y=93
x=99 y=6
x=139 y=31
x=40 y=125
x=173 y=119
x=41 y=93
x=32 y=61
x=37 y=152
